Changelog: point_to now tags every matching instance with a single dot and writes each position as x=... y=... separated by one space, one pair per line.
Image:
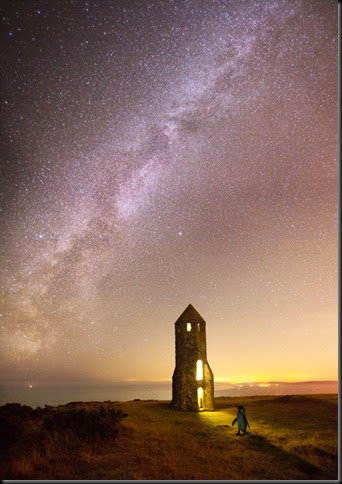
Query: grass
x=291 y=437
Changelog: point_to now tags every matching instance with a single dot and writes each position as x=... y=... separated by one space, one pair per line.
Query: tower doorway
x=200 y=399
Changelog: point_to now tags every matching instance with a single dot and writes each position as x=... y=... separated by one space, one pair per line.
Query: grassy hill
x=291 y=437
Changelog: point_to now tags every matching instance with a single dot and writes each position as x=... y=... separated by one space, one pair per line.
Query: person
x=241 y=419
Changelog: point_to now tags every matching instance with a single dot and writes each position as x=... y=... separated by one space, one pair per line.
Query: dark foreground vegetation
x=291 y=437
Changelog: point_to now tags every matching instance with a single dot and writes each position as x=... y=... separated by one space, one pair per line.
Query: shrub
x=13 y=419
x=25 y=428
x=85 y=424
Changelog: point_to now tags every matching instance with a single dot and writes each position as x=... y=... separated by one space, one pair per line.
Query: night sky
x=161 y=153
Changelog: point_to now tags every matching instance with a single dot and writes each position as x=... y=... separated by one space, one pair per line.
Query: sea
x=41 y=394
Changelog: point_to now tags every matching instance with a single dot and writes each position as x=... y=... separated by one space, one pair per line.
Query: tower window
x=188 y=326
x=199 y=370
x=199 y=326
x=200 y=397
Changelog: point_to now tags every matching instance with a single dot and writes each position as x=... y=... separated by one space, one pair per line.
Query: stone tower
x=193 y=380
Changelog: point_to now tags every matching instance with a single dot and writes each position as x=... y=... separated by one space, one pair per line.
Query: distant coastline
x=40 y=394
x=278 y=388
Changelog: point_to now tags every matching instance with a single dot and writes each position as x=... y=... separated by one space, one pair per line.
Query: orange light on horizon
x=267 y=379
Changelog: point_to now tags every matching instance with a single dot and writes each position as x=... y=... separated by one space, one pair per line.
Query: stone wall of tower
x=190 y=347
x=208 y=387
x=190 y=344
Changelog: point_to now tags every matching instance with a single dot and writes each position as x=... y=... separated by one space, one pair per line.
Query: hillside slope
x=291 y=437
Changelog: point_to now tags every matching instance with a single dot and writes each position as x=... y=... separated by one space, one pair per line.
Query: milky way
x=161 y=153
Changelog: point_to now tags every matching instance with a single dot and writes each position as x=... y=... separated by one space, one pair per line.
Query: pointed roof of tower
x=189 y=314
